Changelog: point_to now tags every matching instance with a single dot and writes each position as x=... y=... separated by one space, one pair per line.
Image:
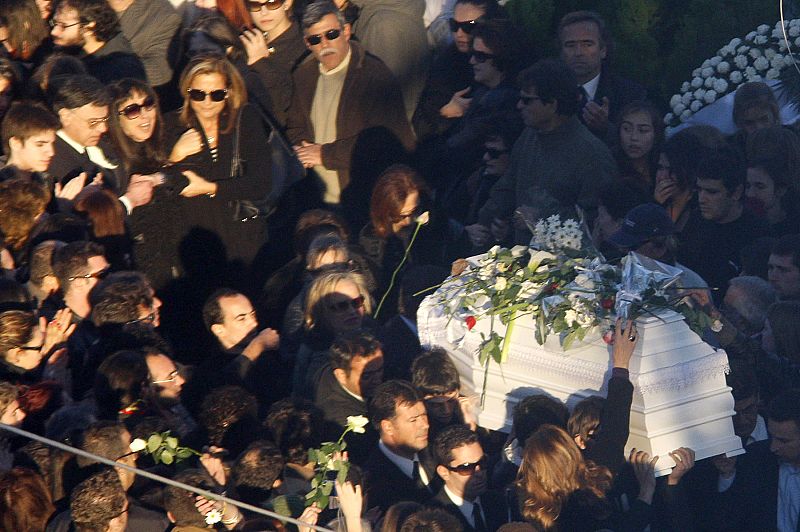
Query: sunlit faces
x=637 y=134
x=465 y=13
x=208 y=109
x=85 y=125
x=465 y=475
x=366 y=373
x=165 y=377
x=273 y=21
x=330 y=53
x=716 y=202
x=4 y=40
x=141 y=128
x=67 y=29
x=28 y=356
x=483 y=68
x=238 y=320
x=405 y=217
x=13 y=415
x=583 y=50
x=344 y=307
x=408 y=429
x=785 y=440
x=96 y=267
x=34 y=153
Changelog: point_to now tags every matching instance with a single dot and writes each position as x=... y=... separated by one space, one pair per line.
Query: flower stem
x=396 y=270
x=507 y=338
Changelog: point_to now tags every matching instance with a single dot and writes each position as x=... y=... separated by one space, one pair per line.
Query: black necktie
x=584 y=96
x=416 y=476
x=477 y=517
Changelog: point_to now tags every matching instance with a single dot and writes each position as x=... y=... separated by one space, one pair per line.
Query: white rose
x=675 y=100
x=138 y=445
x=736 y=77
x=686 y=99
x=500 y=284
x=794 y=31
x=750 y=36
x=763 y=29
x=721 y=86
x=707 y=72
x=735 y=42
x=710 y=96
x=494 y=250
x=685 y=86
x=696 y=106
x=724 y=67
x=357 y=423
x=697 y=82
x=699 y=94
x=518 y=251
x=570 y=316
x=773 y=73
x=715 y=61
x=761 y=64
x=668 y=118
x=686 y=115
x=740 y=61
x=755 y=53
x=709 y=82
x=761 y=39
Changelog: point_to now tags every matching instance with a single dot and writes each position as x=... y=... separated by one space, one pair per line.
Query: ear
x=50 y=283
x=346 y=31
x=170 y=517
x=603 y=51
x=64 y=116
x=277 y=483
x=341 y=375
x=287 y=5
x=579 y=442
x=218 y=329
x=443 y=472
x=387 y=427
x=15 y=144
x=12 y=355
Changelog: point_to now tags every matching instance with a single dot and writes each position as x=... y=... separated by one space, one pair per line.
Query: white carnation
x=761 y=39
x=709 y=84
x=706 y=63
x=736 y=77
x=721 y=86
x=724 y=67
x=782 y=46
x=710 y=96
x=715 y=61
x=750 y=36
x=697 y=83
x=707 y=72
x=773 y=73
x=668 y=118
x=794 y=31
x=777 y=33
x=794 y=23
x=769 y=53
x=725 y=51
x=685 y=86
x=696 y=106
x=740 y=61
x=570 y=316
x=699 y=94
x=735 y=42
x=500 y=284
x=675 y=100
x=763 y=29
x=755 y=53
x=761 y=63
x=686 y=99
x=743 y=49
x=797 y=41
x=686 y=115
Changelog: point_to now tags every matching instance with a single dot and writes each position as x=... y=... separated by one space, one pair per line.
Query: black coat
x=386 y=484
x=493 y=504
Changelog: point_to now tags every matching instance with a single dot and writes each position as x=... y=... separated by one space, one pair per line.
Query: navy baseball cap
x=642 y=223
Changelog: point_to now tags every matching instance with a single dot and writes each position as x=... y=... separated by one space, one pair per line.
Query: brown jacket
x=370 y=98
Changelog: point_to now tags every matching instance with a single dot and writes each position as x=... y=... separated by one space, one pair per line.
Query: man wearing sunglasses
x=340 y=91
x=465 y=494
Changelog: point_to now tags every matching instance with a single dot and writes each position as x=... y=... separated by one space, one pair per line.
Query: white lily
x=424 y=218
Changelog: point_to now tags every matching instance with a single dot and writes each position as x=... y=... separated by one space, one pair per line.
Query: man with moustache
x=340 y=91
x=401 y=467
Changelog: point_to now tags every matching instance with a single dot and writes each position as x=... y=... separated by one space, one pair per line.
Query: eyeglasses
x=54 y=24
x=134 y=110
x=271 y=5
x=94 y=275
x=170 y=378
x=150 y=318
x=526 y=100
x=494 y=153
x=92 y=122
x=216 y=95
x=467 y=26
x=481 y=57
x=340 y=306
x=330 y=35
x=468 y=468
x=37 y=348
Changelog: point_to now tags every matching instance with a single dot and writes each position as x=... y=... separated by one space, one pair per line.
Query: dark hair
x=505 y=41
x=743 y=381
x=14 y=295
x=553 y=81
x=586 y=417
x=256 y=470
x=588 y=16
x=229 y=414
x=119 y=297
x=776 y=151
x=350 y=344
x=103 y=438
x=318 y=10
x=212 y=309
x=96 y=501
x=619 y=198
x=72 y=259
x=144 y=156
x=25 y=502
x=785 y=407
x=23 y=201
x=293 y=426
x=106 y=23
x=491 y=9
x=387 y=397
x=433 y=373
x=753 y=94
x=723 y=164
x=181 y=503
x=221 y=32
x=392 y=188
x=76 y=91
x=432 y=520
x=26 y=29
x=25 y=119
x=315 y=222
x=788 y=245
x=449 y=439
x=120 y=381
x=536 y=410
x=56 y=66
x=41 y=261
x=642 y=106
x=684 y=150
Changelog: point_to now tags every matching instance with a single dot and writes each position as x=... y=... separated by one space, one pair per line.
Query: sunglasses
x=95 y=275
x=150 y=318
x=340 y=306
x=37 y=348
x=526 y=100
x=330 y=35
x=468 y=468
x=494 y=153
x=467 y=26
x=481 y=57
x=271 y=5
x=170 y=378
x=216 y=96
x=134 y=110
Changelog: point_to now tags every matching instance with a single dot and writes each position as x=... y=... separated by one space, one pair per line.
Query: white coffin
x=680 y=396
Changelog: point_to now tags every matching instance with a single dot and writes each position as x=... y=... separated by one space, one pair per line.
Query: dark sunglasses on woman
x=467 y=26
x=271 y=5
x=330 y=35
x=134 y=110
x=347 y=304
x=216 y=96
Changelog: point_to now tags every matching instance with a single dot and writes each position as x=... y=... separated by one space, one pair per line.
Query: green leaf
x=167 y=458
x=327 y=487
x=172 y=443
x=310 y=496
x=153 y=442
x=184 y=453
x=322 y=501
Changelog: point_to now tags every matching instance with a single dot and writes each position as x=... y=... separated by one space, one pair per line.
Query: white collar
x=66 y=138
x=349 y=392
x=95 y=153
x=464 y=506
x=591 y=87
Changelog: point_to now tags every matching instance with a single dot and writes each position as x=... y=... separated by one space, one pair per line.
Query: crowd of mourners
x=211 y=223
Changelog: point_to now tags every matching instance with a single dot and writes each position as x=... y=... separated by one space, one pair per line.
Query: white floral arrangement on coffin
x=760 y=56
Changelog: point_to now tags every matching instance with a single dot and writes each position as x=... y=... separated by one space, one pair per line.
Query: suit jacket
x=493 y=504
x=68 y=163
x=386 y=484
x=400 y=347
x=620 y=92
x=370 y=99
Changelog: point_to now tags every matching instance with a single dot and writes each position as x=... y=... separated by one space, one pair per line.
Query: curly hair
x=225 y=407
x=431 y=520
x=106 y=23
x=257 y=469
x=22 y=202
x=8 y=394
x=25 y=503
x=120 y=381
x=119 y=298
x=293 y=424
x=553 y=470
x=96 y=501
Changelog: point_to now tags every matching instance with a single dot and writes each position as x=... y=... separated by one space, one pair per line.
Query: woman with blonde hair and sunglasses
x=220 y=138
x=336 y=302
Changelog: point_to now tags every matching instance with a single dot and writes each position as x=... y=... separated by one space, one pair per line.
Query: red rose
x=608 y=337
x=471 y=321
x=607 y=303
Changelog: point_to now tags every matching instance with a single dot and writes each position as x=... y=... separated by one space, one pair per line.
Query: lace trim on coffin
x=683 y=376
